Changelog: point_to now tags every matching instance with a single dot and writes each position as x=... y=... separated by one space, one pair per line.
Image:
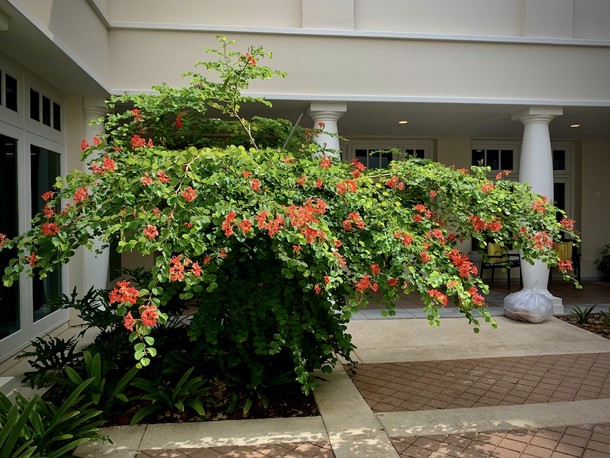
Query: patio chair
x=498 y=257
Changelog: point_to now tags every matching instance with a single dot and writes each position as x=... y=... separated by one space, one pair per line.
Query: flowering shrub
x=276 y=247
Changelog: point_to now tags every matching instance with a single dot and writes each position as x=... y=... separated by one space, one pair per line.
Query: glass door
x=10 y=317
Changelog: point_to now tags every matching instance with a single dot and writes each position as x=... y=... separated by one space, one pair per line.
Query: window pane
x=506 y=159
x=374 y=161
x=11 y=92
x=45 y=168
x=385 y=159
x=56 y=116
x=478 y=157
x=9 y=297
x=1 y=91
x=559 y=195
x=559 y=159
x=46 y=111
x=420 y=153
x=34 y=105
x=493 y=159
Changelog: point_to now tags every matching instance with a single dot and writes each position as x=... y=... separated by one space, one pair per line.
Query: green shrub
x=276 y=248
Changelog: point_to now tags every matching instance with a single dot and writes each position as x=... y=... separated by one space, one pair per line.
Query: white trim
x=381 y=34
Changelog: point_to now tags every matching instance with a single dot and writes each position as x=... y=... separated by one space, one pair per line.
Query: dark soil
x=595 y=324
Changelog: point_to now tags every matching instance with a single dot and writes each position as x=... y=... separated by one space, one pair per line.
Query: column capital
x=537 y=114
x=94 y=107
x=331 y=111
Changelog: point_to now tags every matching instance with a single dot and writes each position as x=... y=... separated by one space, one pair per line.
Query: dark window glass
x=478 y=157
x=46 y=111
x=493 y=159
x=56 y=116
x=45 y=168
x=34 y=105
x=1 y=91
x=362 y=155
x=11 y=92
x=559 y=159
x=412 y=152
x=559 y=195
x=506 y=159
x=9 y=297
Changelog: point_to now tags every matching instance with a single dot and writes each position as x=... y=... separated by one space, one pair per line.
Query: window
x=45 y=110
x=496 y=159
x=44 y=167
x=373 y=158
x=10 y=320
x=377 y=154
x=8 y=91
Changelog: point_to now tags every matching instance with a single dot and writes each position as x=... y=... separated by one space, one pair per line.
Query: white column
x=95 y=265
x=536 y=168
x=325 y=117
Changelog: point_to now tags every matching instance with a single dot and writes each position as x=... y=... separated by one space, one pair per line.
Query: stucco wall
x=377 y=67
x=261 y=13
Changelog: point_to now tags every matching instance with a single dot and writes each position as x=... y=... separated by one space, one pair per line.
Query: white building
x=469 y=77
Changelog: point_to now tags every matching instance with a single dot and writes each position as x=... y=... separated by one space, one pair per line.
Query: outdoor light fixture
x=403 y=122
x=575 y=126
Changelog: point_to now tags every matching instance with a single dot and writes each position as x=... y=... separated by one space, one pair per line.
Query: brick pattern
x=587 y=441
x=428 y=385
x=291 y=450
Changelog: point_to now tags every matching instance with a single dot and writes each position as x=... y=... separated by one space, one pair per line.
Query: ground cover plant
x=270 y=242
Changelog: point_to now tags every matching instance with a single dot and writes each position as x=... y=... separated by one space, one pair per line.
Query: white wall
x=77 y=27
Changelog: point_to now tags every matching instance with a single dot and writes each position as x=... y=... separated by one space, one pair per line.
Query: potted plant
x=603 y=262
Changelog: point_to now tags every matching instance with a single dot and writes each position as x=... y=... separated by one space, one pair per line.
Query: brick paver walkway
x=292 y=450
x=587 y=441
x=411 y=386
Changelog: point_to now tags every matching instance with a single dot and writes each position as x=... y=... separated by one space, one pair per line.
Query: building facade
x=516 y=84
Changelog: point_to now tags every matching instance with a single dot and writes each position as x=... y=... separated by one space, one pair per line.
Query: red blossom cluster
x=365 y=283
x=301 y=181
x=81 y=194
x=353 y=219
x=177 y=267
x=189 y=194
x=345 y=186
x=151 y=232
x=359 y=168
x=124 y=293
x=565 y=265
x=136 y=115
x=163 y=177
x=488 y=187
x=505 y=173
x=542 y=239
x=250 y=60
x=3 y=240
x=227 y=224
x=273 y=225
x=50 y=229
x=393 y=182
x=149 y=314
x=462 y=262
x=540 y=204
x=392 y=281
x=567 y=224
x=405 y=238
x=479 y=225
x=477 y=299
x=255 y=185
x=178 y=122
x=424 y=256
x=438 y=296
x=146 y=180
x=375 y=269
x=84 y=145
x=129 y=321
x=245 y=226
x=325 y=163
x=107 y=164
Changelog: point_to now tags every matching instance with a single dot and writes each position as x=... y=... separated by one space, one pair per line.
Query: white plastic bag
x=528 y=305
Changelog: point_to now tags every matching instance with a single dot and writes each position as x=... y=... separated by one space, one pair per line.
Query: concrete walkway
x=534 y=390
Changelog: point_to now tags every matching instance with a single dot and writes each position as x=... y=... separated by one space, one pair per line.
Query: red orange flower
x=151 y=231
x=124 y=293
x=128 y=321
x=149 y=315
x=189 y=194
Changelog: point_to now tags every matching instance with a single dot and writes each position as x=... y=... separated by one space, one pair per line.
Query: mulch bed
x=594 y=325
